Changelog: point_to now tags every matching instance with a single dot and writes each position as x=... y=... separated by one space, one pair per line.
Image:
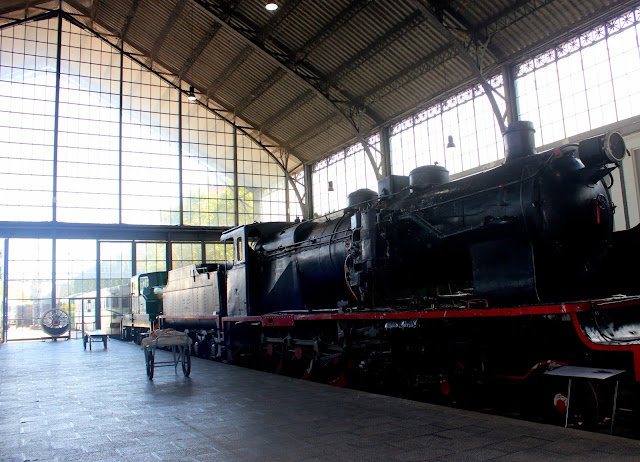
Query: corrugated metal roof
x=298 y=74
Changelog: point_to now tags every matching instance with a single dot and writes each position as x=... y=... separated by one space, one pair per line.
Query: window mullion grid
x=180 y=188
x=584 y=81
x=564 y=125
x=120 y=139
x=56 y=123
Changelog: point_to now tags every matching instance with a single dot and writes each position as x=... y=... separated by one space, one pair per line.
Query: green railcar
x=146 y=304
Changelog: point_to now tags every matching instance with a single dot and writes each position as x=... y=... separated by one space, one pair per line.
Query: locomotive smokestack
x=519 y=140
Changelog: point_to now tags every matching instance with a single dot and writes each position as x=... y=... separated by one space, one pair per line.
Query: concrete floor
x=60 y=402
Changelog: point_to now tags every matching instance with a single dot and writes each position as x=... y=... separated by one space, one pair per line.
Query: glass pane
x=27 y=108
x=343 y=173
x=151 y=257
x=76 y=281
x=261 y=184
x=150 y=149
x=29 y=291
x=467 y=117
x=218 y=252
x=115 y=275
x=89 y=130
x=582 y=84
x=207 y=168
x=186 y=253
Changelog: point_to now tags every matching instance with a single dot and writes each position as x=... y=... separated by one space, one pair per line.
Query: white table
x=588 y=373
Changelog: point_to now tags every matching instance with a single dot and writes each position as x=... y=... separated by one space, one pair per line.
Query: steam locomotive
x=499 y=275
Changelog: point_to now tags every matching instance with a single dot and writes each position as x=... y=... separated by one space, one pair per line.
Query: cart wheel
x=148 y=359
x=84 y=342
x=186 y=362
x=104 y=340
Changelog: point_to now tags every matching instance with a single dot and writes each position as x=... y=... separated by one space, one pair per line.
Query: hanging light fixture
x=191 y=95
x=271 y=6
x=451 y=144
x=330 y=188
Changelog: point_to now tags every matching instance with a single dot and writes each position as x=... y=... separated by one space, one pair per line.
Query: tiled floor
x=59 y=402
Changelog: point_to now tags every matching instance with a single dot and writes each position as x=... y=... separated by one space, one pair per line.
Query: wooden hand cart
x=180 y=345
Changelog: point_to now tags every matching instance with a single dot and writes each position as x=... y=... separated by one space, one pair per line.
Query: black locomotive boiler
x=533 y=229
x=429 y=281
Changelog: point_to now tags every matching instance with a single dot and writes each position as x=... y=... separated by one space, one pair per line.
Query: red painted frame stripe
x=633 y=348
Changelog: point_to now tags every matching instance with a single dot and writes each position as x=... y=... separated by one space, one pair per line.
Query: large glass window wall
x=218 y=252
x=343 y=173
x=27 y=118
x=207 y=168
x=261 y=186
x=185 y=254
x=118 y=156
x=584 y=83
x=467 y=118
x=88 y=129
x=150 y=257
x=29 y=287
x=75 y=281
x=115 y=275
x=150 y=148
x=31 y=280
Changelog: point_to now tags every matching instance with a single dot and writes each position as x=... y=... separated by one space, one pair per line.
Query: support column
x=5 y=292
x=98 y=315
x=180 y=157
x=53 y=270
x=169 y=256
x=308 y=191
x=236 y=189
x=120 y=140
x=509 y=83
x=134 y=259
x=286 y=195
x=56 y=122
x=385 y=150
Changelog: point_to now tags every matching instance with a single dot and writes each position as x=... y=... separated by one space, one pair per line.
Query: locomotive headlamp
x=602 y=149
x=157 y=290
x=614 y=147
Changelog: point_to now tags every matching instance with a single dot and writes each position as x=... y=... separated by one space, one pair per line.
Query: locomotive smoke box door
x=503 y=269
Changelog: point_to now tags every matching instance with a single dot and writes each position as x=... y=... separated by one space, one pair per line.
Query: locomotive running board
x=573 y=309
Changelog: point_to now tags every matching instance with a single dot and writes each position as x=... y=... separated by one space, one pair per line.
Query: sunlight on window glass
x=151 y=256
x=335 y=178
x=584 y=83
x=88 y=143
x=261 y=184
x=29 y=286
x=467 y=117
x=27 y=108
x=150 y=149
